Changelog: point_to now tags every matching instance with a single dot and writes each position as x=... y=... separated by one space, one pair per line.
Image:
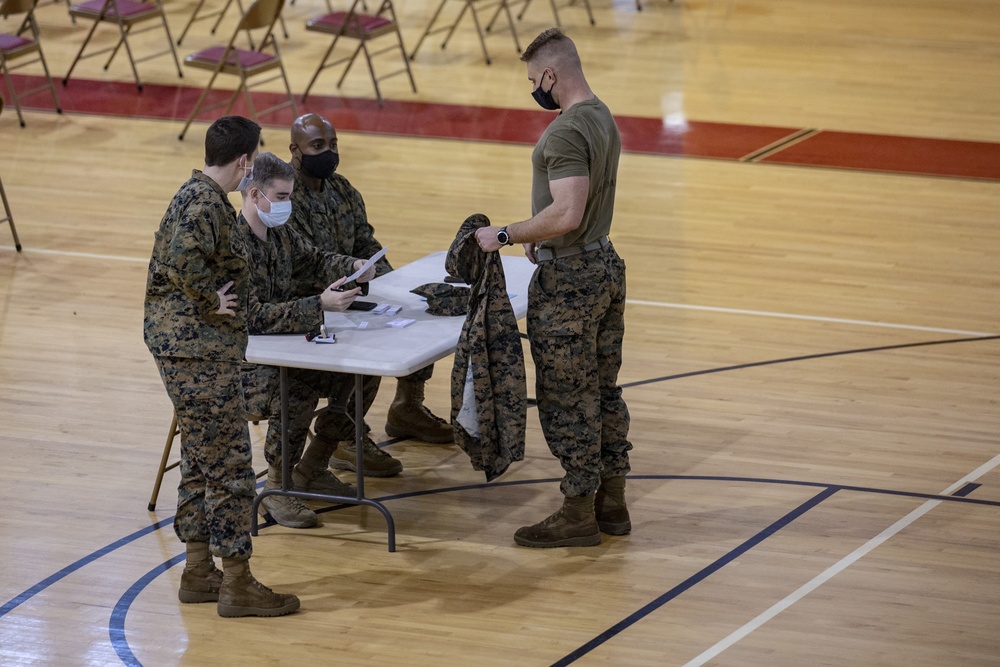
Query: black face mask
x=321 y=166
x=544 y=97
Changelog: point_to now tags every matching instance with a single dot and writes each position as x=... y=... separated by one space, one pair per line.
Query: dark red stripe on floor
x=728 y=141
x=907 y=155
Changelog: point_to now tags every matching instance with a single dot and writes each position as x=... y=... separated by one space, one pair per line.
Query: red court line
x=411 y=119
x=906 y=155
x=727 y=141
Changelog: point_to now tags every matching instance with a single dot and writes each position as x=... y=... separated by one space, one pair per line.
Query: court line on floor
x=49 y=581
x=807 y=357
x=631 y=302
x=116 y=625
x=10 y=605
x=837 y=567
x=84 y=255
x=810 y=318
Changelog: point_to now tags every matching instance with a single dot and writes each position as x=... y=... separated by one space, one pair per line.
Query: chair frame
x=337 y=403
x=172 y=433
x=555 y=12
x=109 y=14
x=470 y=6
x=26 y=7
x=260 y=14
x=351 y=28
x=6 y=207
x=221 y=13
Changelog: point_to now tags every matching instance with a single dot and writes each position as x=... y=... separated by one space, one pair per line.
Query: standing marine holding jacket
x=576 y=299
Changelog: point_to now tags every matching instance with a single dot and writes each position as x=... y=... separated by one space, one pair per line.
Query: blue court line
x=117 y=623
x=17 y=601
x=743 y=548
x=696 y=578
x=807 y=357
x=116 y=627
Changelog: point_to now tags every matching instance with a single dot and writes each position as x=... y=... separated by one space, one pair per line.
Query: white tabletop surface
x=381 y=350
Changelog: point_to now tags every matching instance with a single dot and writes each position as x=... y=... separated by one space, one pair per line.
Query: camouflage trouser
x=576 y=321
x=215 y=495
x=423 y=375
x=305 y=388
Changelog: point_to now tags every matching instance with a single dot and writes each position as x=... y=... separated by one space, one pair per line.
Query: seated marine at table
x=330 y=213
x=284 y=266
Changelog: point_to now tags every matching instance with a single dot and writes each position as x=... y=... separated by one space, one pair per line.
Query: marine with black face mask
x=330 y=213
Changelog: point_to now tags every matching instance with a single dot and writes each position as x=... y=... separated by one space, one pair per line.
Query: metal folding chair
x=555 y=12
x=172 y=434
x=355 y=25
x=125 y=14
x=244 y=63
x=468 y=6
x=6 y=207
x=195 y=17
x=15 y=46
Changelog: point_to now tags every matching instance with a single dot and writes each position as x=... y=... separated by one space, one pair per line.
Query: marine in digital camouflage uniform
x=282 y=267
x=330 y=213
x=576 y=299
x=195 y=326
x=198 y=352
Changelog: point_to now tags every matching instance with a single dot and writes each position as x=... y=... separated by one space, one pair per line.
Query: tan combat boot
x=242 y=595
x=408 y=417
x=312 y=473
x=285 y=510
x=573 y=525
x=377 y=462
x=200 y=580
x=610 y=508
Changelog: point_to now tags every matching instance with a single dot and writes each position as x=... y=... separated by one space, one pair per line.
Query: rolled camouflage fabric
x=465 y=258
x=445 y=299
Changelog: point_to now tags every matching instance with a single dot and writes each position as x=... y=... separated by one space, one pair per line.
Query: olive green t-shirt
x=582 y=141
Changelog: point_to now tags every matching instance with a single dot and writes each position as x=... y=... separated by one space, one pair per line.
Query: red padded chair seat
x=127 y=8
x=247 y=59
x=365 y=22
x=13 y=42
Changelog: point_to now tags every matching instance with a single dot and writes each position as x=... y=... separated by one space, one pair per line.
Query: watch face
x=503 y=237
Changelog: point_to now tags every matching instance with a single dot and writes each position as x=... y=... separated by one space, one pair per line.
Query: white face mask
x=279 y=214
x=245 y=181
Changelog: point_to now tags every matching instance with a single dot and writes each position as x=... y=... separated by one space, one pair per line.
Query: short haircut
x=268 y=168
x=228 y=138
x=551 y=43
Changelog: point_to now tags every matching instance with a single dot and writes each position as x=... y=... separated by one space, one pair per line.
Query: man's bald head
x=314 y=148
x=307 y=124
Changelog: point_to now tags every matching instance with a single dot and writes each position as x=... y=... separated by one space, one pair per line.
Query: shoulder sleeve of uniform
x=567 y=153
x=193 y=239
x=301 y=219
x=365 y=243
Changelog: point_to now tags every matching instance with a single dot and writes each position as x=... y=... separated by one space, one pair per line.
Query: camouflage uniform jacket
x=194 y=255
x=488 y=394
x=335 y=220
x=281 y=268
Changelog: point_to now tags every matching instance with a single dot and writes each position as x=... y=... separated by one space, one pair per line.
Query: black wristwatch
x=503 y=237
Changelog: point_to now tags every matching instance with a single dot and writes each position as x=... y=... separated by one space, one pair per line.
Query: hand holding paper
x=370 y=264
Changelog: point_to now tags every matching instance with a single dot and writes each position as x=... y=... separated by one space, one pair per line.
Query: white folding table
x=366 y=346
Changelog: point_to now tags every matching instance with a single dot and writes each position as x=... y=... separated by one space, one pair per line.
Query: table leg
x=359 y=440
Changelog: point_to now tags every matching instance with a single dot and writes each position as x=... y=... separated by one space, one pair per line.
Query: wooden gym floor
x=808 y=210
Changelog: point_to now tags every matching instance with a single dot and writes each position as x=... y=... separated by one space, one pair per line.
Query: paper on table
x=367 y=265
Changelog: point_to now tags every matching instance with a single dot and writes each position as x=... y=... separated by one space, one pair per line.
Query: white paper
x=367 y=265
